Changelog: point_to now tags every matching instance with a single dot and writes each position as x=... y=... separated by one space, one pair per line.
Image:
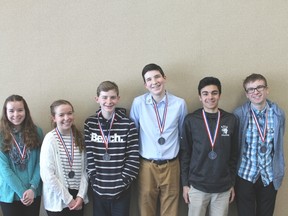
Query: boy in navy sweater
x=111 y=140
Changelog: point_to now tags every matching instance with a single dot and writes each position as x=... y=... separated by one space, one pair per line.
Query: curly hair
x=28 y=128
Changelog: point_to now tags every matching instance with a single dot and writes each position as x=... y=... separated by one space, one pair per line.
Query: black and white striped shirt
x=109 y=178
x=72 y=183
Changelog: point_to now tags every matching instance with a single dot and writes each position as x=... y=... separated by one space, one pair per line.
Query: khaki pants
x=159 y=181
x=199 y=201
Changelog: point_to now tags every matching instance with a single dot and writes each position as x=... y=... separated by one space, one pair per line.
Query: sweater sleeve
x=131 y=167
x=10 y=177
x=83 y=187
x=91 y=165
x=35 y=181
x=234 y=152
x=185 y=152
x=49 y=170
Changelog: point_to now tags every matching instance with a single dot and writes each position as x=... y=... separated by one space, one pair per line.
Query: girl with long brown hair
x=20 y=141
x=62 y=164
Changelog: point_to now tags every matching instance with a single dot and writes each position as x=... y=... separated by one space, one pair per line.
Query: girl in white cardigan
x=62 y=164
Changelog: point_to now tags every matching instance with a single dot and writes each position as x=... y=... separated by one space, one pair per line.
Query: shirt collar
x=149 y=99
x=259 y=113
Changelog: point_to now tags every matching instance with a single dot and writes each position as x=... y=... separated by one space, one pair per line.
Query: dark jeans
x=67 y=211
x=111 y=207
x=255 y=199
x=17 y=208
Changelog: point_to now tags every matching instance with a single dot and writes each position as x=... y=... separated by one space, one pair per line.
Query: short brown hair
x=252 y=78
x=107 y=86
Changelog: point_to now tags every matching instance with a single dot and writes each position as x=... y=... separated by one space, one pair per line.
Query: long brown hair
x=28 y=128
x=79 y=141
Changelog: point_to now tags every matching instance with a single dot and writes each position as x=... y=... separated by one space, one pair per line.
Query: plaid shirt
x=254 y=162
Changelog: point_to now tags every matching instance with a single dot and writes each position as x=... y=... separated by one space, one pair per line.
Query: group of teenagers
x=214 y=155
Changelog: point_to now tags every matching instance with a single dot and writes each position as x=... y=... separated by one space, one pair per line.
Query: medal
x=212 y=155
x=161 y=122
x=106 y=139
x=22 y=153
x=161 y=140
x=262 y=135
x=22 y=166
x=70 y=157
x=263 y=149
x=71 y=174
x=106 y=156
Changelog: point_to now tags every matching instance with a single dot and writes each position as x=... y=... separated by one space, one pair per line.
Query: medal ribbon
x=161 y=123
x=22 y=153
x=262 y=136
x=70 y=157
x=105 y=138
x=212 y=141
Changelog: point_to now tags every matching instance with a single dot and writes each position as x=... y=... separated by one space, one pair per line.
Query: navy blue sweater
x=110 y=178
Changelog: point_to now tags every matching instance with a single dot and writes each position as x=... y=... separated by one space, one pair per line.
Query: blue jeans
x=111 y=207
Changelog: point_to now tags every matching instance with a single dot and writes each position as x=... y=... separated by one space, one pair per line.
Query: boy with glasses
x=261 y=160
x=208 y=154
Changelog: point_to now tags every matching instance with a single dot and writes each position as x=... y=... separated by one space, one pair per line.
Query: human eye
x=60 y=114
x=158 y=76
x=148 y=79
x=260 y=87
x=215 y=93
x=204 y=93
x=10 y=110
x=250 y=90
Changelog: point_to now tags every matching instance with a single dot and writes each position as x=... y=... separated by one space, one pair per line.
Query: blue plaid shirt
x=254 y=162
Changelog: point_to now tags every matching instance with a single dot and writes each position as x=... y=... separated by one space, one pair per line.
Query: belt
x=159 y=162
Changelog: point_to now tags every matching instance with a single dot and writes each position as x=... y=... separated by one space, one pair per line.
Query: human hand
x=78 y=205
x=185 y=194
x=28 y=197
x=72 y=204
x=232 y=195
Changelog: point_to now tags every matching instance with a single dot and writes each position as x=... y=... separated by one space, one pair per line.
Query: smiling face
x=15 y=112
x=257 y=93
x=64 y=118
x=155 y=83
x=210 y=96
x=107 y=101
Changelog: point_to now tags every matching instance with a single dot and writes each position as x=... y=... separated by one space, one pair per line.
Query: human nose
x=154 y=80
x=16 y=113
x=67 y=116
x=108 y=100
x=210 y=95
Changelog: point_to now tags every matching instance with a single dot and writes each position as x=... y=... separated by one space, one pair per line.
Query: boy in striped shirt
x=111 y=140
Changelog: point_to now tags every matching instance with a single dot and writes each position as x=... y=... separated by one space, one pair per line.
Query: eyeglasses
x=259 y=88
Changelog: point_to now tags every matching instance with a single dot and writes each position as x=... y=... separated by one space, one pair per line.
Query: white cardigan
x=56 y=196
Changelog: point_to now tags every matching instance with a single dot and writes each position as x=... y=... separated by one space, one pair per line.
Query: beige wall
x=51 y=49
